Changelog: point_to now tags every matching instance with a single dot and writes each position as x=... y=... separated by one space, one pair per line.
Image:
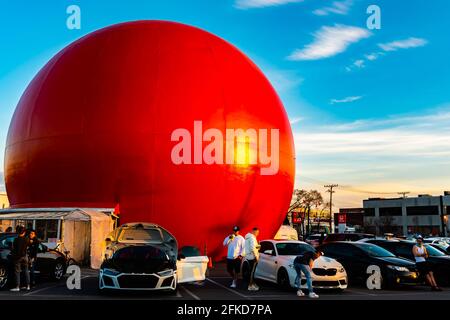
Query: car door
x=267 y=262
x=45 y=260
x=349 y=256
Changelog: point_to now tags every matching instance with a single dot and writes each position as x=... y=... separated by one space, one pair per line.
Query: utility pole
x=330 y=190
x=404 y=193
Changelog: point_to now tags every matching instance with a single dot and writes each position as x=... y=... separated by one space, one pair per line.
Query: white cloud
x=403 y=44
x=282 y=80
x=295 y=120
x=330 y=41
x=345 y=100
x=402 y=152
x=249 y=4
x=359 y=63
x=337 y=7
x=387 y=47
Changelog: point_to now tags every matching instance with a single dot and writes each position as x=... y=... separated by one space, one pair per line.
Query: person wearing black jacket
x=32 y=254
x=20 y=258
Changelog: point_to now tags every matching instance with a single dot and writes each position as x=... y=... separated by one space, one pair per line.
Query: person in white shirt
x=252 y=256
x=236 y=251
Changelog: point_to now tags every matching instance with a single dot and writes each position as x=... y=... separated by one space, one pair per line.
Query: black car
x=441 y=247
x=332 y=237
x=49 y=263
x=440 y=262
x=356 y=257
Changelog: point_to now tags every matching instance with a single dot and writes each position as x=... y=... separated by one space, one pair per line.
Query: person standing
x=420 y=255
x=252 y=256
x=235 y=243
x=33 y=250
x=20 y=259
x=303 y=264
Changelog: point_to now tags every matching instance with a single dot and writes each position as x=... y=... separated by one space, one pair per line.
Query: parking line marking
x=51 y=287
x=40 y=290
x=189 y=292
x=229 y=289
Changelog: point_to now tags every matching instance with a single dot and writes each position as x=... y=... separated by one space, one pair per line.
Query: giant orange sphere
x=96 y=127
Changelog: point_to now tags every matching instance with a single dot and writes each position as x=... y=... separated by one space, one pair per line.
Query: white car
x=276 y=264
x=144 y=256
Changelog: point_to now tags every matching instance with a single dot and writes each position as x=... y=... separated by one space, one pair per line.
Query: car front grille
x=138 y=281
x=167 y=282
x=324 y=272
x=325 y=283
x=108 y=281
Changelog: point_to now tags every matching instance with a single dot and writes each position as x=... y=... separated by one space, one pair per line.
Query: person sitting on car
x=303 y=263
x=420 y=255
x=32 y=254
x=236 y=251
x=20 y=259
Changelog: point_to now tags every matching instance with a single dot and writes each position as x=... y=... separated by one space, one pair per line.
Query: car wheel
x=3 y=276
x=58 y=270
x=283 y=279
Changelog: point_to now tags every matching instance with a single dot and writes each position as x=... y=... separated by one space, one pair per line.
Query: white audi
x=276 y=264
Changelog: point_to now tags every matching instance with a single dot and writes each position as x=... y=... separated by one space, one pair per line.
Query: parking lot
x=214 y=288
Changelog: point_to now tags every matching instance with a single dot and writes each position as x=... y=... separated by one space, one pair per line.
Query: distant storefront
x=425 y=214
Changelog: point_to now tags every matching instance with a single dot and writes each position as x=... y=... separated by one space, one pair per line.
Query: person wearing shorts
x=423 y=266
x=235 y=243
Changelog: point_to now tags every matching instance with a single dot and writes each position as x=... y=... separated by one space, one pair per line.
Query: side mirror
x=44 y=248
x=269 y=252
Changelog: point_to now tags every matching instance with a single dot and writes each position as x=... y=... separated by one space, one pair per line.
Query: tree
x=306 y=200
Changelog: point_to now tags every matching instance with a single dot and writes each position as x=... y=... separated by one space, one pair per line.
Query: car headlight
x=397 y=268
x=110 y=272
x=165 y=273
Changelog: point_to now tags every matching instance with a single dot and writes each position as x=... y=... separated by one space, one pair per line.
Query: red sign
x=342 y=218
x=297 y=217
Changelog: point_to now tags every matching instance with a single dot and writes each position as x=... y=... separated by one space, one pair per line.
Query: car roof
x=350 y=233
x=350 y=242
x=281 y=240
x=140 y=224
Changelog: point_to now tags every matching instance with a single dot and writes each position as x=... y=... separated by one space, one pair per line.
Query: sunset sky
x=370 y=109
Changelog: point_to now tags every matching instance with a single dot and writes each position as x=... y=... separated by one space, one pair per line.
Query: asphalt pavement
x=215 y=287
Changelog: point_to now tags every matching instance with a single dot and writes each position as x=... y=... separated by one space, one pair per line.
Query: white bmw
x=276 y=264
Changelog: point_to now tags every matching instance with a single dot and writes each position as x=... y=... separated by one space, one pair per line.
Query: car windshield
x=293 y=248
x=189 y=251
x=433 y=251
x=140 y=234
x=374 y=250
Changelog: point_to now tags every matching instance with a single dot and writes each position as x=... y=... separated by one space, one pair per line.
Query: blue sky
x=370 y=109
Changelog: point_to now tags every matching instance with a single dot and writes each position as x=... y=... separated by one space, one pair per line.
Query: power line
x=350 y=188
x=330 y=190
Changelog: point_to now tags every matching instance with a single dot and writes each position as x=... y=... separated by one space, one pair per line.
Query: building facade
x=424 y=214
